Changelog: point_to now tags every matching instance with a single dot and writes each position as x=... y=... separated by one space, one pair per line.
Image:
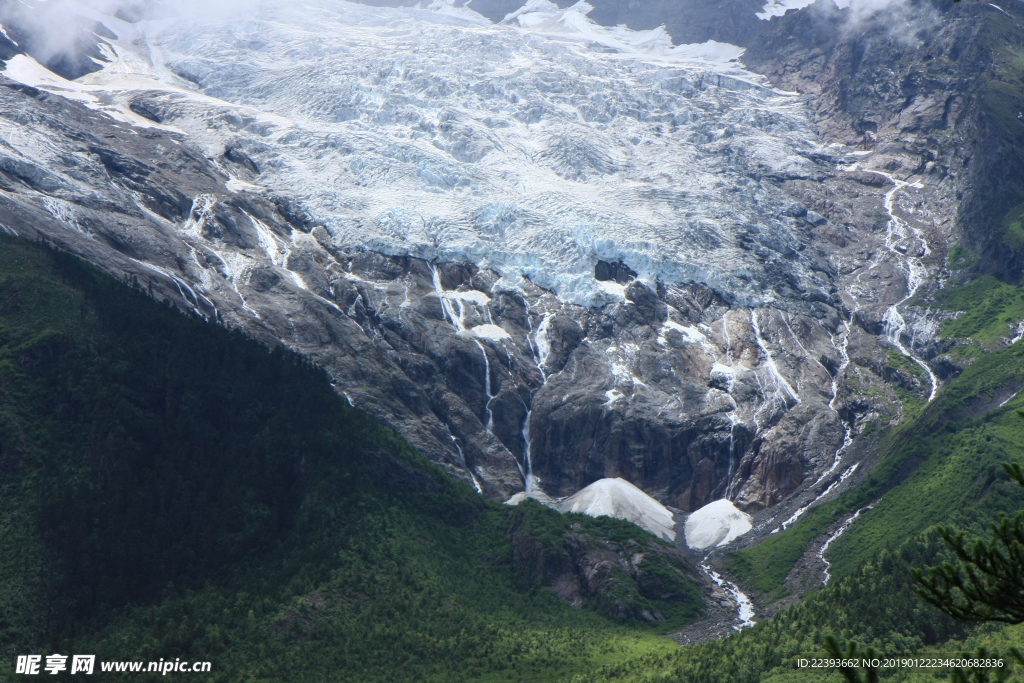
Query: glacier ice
x=328 y=132
x=716 y=524
x=534 y=147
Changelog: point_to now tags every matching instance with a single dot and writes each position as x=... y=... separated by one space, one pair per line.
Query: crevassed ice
x=534 y=147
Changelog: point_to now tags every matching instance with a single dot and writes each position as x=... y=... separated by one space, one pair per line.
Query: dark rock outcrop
x=593 y=566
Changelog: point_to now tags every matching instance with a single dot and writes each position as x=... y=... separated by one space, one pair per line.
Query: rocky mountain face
x=551 y=249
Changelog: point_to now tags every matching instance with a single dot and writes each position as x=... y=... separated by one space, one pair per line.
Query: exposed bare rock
x=548 y=341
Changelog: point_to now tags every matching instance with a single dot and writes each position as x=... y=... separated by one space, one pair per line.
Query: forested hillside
x=172 y=489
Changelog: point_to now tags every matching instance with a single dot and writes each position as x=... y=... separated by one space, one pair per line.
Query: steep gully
x=898 y=234
x=901 y=241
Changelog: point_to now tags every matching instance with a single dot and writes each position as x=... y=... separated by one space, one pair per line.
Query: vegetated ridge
x=172 y=489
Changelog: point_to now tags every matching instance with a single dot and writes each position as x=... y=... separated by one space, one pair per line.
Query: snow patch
x=544 y=16
x=612 y=395
x=472 y=296
x=690 y=334
x=28 y=71
x=235 y=185
x=492 y=332
x=620 y=499
x=721 y=369
x=536 y=495
x=4 y=32
x=716 y=524
x=775 y=8
x=613 y=288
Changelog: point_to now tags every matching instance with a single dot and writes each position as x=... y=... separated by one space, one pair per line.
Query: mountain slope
x=546 y=251
x=549 y=251
x=172 y=489
x=940 y=466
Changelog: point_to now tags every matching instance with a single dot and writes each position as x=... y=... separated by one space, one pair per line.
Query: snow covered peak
x=620 y=499
x=716 y=524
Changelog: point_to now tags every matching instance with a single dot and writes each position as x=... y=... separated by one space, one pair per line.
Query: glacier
x=548 y=252
x=535 y=147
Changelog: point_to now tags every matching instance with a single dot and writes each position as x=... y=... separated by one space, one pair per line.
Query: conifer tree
x=987 y=581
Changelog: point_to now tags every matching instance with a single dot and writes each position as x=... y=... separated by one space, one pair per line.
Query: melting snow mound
x=716 y=524
x=620 y=499
x=539 y=496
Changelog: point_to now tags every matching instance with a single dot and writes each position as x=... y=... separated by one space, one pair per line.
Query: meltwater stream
x=832 y=539
x=898 y=231
x=837 y=458
x=540 y=347
x=744 y=608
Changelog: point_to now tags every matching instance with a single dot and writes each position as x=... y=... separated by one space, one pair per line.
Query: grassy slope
x=934 y=469
x=169 y=489
x=990 y=310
